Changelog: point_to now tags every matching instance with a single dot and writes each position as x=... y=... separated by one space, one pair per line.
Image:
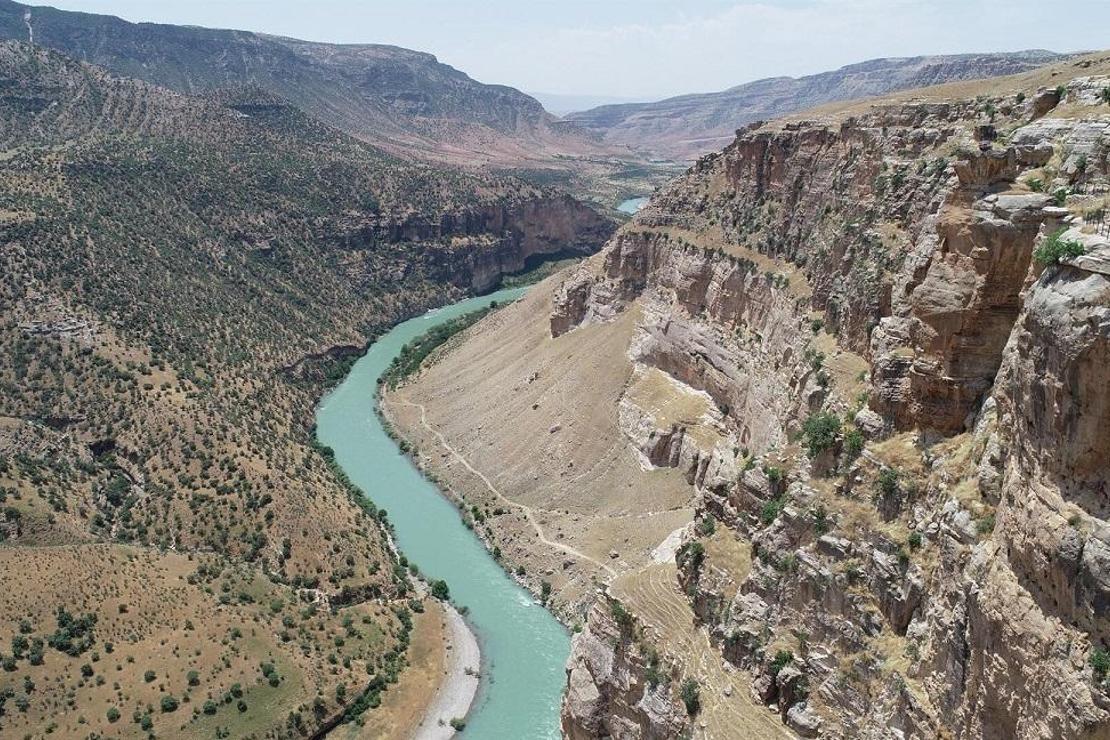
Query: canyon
x=817 y=444
x=810 y=441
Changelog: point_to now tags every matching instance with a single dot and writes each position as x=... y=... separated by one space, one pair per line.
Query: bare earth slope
x=687 y=126
x=849 y=334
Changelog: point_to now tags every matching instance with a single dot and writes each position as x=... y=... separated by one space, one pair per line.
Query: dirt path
x=728 y=711
x=529 y=512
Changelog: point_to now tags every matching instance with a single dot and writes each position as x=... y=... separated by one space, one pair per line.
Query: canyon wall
x=912 y=426
x=473 y=248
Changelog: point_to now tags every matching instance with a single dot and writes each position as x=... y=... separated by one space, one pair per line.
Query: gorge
x=345 y=395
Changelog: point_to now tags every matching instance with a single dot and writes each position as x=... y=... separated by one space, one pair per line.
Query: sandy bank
x=460 y=680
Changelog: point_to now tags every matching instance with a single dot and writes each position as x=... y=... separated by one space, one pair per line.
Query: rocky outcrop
x=609 y=694
x=475 y=248
x=938 y=563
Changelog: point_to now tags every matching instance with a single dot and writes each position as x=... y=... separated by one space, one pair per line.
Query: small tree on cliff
x=820 y=432
x=691 y=696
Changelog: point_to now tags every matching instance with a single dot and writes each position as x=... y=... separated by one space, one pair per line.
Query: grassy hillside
x=178 y=277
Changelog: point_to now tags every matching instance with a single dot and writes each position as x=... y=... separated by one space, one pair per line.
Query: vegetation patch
x=413 y=354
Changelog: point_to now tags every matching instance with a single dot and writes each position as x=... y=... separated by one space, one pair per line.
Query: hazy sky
x=649 y=48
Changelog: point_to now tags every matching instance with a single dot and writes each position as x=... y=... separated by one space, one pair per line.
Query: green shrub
x=621 y=616
x=112 y=714
x=782 y=659
x=853 y=443
x=771 y=510
x=1056 y=248
x=1100 y=663
x=888 y=481
x=168 y=703
x=691 y=696
x=707 y=525
x=440 y=590
x=821 y=523
x=820 y=432
x=692 y=553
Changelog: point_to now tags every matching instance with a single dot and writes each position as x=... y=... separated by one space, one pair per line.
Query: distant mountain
x=561 y=104
x=404 y=101
x=690 y=125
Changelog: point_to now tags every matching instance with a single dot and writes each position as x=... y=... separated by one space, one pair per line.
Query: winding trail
x=529 y=512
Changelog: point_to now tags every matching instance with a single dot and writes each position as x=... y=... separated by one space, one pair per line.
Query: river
x=632 y=205
x=524 y=649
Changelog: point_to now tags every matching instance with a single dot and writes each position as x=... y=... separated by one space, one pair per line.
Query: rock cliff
x=899 y=322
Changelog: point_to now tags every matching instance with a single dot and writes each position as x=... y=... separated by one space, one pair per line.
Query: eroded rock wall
x=941 y=567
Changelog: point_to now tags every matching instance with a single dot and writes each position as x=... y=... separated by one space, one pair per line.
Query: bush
x=112 y=714
x=168 y=703
x=771 y=510
x=1100 y=663
x=1056 y=248
x=888 y=481
x=821 y=523
x=440 y=590
x=621 y=616
x=692 y=553
x=707 y=525
x=853 y=443
x=148 y=676
x=782 y=659
x=691 y=696
x=820 y=432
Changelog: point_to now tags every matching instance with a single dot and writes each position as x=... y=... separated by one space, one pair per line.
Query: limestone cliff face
x=609 y=692
x=938 y=564
x=475 y=247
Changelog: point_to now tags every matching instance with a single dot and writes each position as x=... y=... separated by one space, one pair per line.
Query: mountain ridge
x=685 y=126
x=403 y=100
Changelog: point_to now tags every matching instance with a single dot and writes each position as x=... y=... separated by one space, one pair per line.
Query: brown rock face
x=937 y=355
x=950 y=575
x=608 y=694
x=475 y=248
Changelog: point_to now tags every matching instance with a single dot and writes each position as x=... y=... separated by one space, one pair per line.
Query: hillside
x=817 y=445
x=405 y=102
x=684 y=127
x=180 y=278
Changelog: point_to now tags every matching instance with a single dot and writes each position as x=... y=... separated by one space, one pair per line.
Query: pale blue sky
x=649 y=48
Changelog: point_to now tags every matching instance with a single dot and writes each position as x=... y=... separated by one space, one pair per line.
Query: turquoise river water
x=632 y=205
x=524 y=648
